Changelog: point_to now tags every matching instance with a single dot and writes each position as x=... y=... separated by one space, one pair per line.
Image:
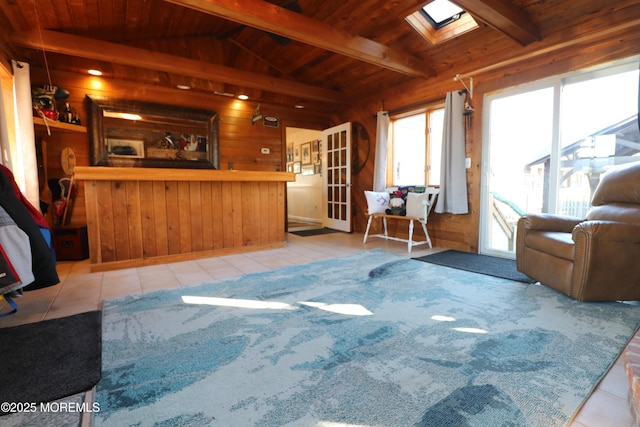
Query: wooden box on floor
x=71 y=243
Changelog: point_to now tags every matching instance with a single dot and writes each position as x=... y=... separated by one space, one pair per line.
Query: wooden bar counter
x=143 y=216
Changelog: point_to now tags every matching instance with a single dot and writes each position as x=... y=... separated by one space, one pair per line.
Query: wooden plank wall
x=240 y=141
x=142 y=220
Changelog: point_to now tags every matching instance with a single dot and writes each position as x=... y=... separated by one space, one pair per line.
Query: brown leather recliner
x=592 y=259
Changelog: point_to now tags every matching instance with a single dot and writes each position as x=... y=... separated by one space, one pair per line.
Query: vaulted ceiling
x=315 y=53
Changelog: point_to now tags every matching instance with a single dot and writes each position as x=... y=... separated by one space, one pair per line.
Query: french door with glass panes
x=336 y=177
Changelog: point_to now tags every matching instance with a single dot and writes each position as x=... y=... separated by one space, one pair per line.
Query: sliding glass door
x=547 y=144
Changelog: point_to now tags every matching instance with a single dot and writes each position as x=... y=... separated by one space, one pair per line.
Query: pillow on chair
x=414 y=204
x=377 y=202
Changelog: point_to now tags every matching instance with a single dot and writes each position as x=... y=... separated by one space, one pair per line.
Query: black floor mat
x=314 y=232
x=476 y=263
x=49 y=360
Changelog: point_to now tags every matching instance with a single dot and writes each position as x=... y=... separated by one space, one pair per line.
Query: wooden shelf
x=66 y=127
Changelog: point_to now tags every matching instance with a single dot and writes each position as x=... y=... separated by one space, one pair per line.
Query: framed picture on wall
x=296 y=153
x=316 y=146
x=296 y=167
x=306 y=153
x=307 y=170
x=289 y=153
x=290 y=167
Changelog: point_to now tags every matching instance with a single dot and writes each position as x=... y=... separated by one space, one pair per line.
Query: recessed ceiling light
x=95 y=72
x=243 y=97
x=298 y=106
x=183 y=87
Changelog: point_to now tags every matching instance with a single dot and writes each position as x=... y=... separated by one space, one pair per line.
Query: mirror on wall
x=140 y=134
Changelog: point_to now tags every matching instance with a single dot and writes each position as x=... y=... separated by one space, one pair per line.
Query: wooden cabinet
x=71 y=243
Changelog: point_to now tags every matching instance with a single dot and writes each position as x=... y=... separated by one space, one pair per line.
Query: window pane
x=409 y=150
x=598 y=129
x=521 y=133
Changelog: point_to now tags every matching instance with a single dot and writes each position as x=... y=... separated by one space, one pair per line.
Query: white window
x=416 y=148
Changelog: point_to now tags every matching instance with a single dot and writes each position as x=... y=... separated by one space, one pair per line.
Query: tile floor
x=80 y=290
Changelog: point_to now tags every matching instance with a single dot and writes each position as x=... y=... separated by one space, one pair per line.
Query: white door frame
x=485 y=175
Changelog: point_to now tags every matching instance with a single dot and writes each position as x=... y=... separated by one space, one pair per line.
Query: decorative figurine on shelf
x=76 y=118
x=69 y=115
x=65 y=115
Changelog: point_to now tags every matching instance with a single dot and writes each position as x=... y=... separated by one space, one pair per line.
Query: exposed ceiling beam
x=83 y=47
x=571 y=38
x=274 y=19
x=504 y=17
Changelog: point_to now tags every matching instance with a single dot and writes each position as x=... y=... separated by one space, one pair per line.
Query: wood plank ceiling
x=326 y=53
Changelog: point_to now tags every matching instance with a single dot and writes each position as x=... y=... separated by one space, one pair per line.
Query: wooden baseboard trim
x=142 y=262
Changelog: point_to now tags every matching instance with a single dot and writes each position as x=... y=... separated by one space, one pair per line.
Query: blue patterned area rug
x=373 y=339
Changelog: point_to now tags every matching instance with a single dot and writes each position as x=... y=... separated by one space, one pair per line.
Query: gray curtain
x=382 y=140
x=453 y=175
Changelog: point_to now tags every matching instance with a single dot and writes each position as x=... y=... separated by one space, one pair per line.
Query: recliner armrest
x=611 y=231
x=606 y=264
x=549 y=222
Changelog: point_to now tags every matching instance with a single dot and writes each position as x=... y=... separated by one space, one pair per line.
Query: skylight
x=440 y=21
x=442 y=12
